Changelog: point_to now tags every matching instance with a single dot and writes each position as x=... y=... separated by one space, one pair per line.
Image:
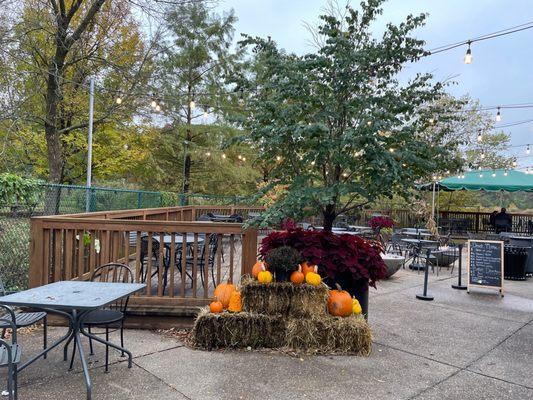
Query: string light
x=494 y=174
x=479 y=136
x=528 y=150
x=153 y=104
x=118 y=100
x=391 y=150
x=369 y=123
x=157 y=107
x=239 y=157
x=312 y=163
x=244 y=159
x=468 y=56
x=482 y=154
x=498 y=115
x=206 y=113
x=345 y=174
x=223 y=156
x=208 y=154
x=278 y=158
x=515 y=164
x=505 y=173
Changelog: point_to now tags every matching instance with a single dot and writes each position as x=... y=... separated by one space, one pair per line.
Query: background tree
x=195 y=57
x=339 y=126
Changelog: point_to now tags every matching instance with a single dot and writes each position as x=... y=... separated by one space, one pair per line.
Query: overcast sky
x=501 y=72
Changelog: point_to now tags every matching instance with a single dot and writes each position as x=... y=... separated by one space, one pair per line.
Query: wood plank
x=205 y=272
x=184 y=250
x=81 y=252
x=58 y=244
x=92 y=252
x=138 y=260
x=172 y=262
x=69 y=256
x=195 y=265
x=38 y=266
x=161 y=266
x=47 y=245
x=231 y=256
x=219 y=258
x=127 y=248
x=148 y=271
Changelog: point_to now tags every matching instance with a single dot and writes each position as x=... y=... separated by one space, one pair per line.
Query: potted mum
x=283 y=260
x=352 y=262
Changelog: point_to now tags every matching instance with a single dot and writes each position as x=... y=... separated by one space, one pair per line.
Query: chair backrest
x=8 y=317
x=204 y=217
x=144 y=247
x=212 y=249
x=114 y=273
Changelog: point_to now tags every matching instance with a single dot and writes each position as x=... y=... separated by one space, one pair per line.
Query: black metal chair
x=201 y=256
x=10 y=353
x=24 y=319
x=154 y=256
x=114 y=314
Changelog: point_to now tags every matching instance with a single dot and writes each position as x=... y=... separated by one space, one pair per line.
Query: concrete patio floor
x=475 y=346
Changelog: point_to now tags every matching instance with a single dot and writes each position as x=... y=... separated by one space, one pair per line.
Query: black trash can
x=514 y=264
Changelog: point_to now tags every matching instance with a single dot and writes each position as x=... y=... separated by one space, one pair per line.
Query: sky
x=501 y=71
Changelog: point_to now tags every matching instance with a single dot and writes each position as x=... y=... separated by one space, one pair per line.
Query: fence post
x=249 y=250
x=37 y=262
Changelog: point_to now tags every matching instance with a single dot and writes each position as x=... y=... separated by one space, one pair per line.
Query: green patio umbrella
x=489 y=180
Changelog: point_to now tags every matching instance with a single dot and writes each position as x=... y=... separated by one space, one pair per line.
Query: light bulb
x=515 y=164
x=192 y=104
x=244 y=159
x=505 y=173
x=479 y=136
x=369 y=123
x=239 y=157
x=468 y=55
x=431 y=121
x=223 y=156
x=206 y=114
x=494 y=174
x=391 y=150
x=312 y=163
x=498 y=115
x=434 y=178
x=481 y=175
x=154 y=104
x=345 y=174
x=119 y=100
x=528 y=150
x=482 y=155
x=158 y=107
x=208 y=154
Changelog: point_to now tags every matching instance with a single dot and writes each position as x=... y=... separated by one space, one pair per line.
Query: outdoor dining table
x=417 y=244
x=178 y=239
x=73 y=300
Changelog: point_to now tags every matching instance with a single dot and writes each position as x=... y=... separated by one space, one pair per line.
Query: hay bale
x=234 y=330
x=284 y=298
x=330 y=335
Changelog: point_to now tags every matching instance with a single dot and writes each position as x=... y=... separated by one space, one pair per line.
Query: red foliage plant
x=380 y=222
x=336 y=255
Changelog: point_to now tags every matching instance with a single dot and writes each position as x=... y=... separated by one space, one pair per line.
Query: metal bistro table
x=73 y=300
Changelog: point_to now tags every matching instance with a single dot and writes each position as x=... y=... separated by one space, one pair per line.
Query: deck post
x=249 y=250
x=37 y=262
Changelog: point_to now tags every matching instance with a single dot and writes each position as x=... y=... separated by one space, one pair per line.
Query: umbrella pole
x=433 y=203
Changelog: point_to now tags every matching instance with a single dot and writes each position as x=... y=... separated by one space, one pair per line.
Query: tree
x=194 y=59
x=340 y=128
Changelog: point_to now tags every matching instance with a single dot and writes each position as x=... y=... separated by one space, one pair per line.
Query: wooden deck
x=72 y=246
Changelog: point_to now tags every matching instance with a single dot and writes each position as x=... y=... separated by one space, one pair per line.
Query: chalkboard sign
x=485 y=264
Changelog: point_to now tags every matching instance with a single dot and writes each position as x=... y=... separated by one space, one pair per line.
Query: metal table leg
x=69 y=335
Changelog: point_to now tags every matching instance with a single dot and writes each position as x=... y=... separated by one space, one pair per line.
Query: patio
x=460 y=343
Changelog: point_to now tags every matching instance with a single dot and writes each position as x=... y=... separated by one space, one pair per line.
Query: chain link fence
x=54 y=199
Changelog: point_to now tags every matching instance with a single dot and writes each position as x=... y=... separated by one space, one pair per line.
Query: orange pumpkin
x=216 y=307
x=223 y=293
x=258 y=267
x=340 y=303
x=235 y=302
x=308 y=267
x=297 y=276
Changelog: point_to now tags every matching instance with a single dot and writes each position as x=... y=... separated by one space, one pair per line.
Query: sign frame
x=470 y=285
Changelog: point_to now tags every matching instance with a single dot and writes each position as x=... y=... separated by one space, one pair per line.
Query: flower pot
x=357 y=289
x=282 y=275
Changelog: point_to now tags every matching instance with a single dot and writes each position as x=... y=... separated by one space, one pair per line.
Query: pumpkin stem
x=338 y=287
x=316 y=269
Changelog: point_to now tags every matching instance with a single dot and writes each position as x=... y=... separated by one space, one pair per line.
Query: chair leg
x=107 y=349
x=15 y=382
x=45 y=335
x=10 y=381
x=73 y=354
x=91 y=350
x=122 y=337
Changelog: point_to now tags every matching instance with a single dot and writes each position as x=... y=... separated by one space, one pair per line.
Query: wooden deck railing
x=179 y=276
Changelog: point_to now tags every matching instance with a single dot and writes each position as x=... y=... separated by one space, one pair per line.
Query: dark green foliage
x=283 y=258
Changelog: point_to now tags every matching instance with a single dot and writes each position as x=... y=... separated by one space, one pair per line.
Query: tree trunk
x=328 y=217
x=187 y=156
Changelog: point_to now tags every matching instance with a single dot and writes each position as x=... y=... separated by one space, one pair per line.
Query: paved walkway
x=474 y=346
